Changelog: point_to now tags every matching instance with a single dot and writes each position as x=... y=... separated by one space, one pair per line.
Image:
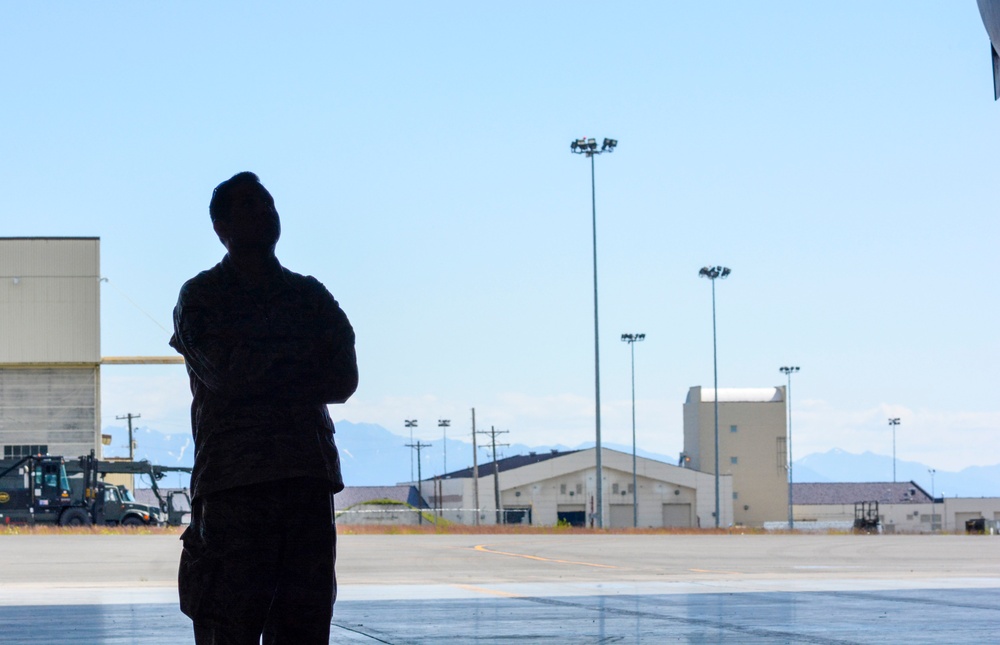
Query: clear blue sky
x=840 y=157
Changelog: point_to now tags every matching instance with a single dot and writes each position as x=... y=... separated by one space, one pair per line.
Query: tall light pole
x=714 y=273
x=933 y=498
x=411 y=424
x=894 y=422
x=443 y=424
x=788 y=371
x=588 y=148
x=632 y=339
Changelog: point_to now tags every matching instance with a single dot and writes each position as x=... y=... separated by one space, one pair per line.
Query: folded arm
x=309 y=360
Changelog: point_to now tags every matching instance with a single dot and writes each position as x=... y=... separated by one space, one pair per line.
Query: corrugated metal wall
x=50 y=348
x=54 y=406
x=50 y=300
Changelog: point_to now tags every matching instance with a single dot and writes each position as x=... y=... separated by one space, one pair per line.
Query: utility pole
x=420 y=487
x=496 y=468
x=131 y=443
x=475 y=468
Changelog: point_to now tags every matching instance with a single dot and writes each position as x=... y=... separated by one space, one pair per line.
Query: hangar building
x=903 y=507
x=50 y=346
x=546 y=488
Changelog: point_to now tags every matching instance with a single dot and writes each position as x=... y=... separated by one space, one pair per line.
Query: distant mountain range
x=374 y=456
x=840 y=466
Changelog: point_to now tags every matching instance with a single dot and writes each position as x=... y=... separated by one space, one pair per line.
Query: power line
x=133 y=303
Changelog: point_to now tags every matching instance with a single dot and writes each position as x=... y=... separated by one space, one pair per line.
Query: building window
x=734 y=460
x=736 y=495
x=16 y=452
x=562 y=489
x=732 y=428
x=579 y=489
x=631 y=489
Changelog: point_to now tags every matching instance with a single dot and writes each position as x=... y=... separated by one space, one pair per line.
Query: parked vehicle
x=172 y=508
x=47 y=489
x=36 y=489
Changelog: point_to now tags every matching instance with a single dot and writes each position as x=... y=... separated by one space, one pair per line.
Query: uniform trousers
x=258 y=561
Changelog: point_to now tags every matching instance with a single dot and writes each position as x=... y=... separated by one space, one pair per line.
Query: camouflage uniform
x=264 y=362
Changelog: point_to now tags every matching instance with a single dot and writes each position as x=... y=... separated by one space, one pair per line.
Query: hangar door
x=572 y=514
x=621 y=516
x=962 y=518
x=54 y=407
x=676 y=515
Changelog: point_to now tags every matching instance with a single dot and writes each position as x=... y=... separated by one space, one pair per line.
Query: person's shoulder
x=206 y=281
x=303 y=282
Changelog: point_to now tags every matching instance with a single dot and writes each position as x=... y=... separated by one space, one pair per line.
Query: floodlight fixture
x=588 y=146
x=714 y=272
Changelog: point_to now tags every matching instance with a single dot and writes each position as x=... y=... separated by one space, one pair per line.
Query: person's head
x=243 y=214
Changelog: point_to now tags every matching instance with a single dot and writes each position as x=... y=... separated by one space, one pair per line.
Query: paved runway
x=545 y=589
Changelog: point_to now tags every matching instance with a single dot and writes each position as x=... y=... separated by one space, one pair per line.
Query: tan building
x=752 y=448
x=903 y=507
x=551 y=487
x=50 y=346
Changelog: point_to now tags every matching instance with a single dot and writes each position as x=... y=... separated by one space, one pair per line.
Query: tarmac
x=531 y=588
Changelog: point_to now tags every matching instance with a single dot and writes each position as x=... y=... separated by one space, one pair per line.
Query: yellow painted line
x=731 y=573
x=483 y=548
x=492 y=592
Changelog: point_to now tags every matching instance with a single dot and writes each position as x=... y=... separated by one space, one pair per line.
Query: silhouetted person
x=266 y=350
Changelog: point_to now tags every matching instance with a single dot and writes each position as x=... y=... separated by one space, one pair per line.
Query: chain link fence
x=405 y=515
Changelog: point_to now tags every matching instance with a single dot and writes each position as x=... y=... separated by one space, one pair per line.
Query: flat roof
x=740 y=395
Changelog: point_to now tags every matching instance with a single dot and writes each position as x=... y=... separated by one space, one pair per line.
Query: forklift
x=866 y=518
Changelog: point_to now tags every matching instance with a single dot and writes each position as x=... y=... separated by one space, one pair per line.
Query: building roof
x=740 y=395
x=354 y=495
x=509 y=463
x=50 y=237
x=350 y=496
x=854 y=492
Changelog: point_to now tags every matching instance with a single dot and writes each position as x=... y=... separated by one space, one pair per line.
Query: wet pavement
x=514 y=614
x=550 y=589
